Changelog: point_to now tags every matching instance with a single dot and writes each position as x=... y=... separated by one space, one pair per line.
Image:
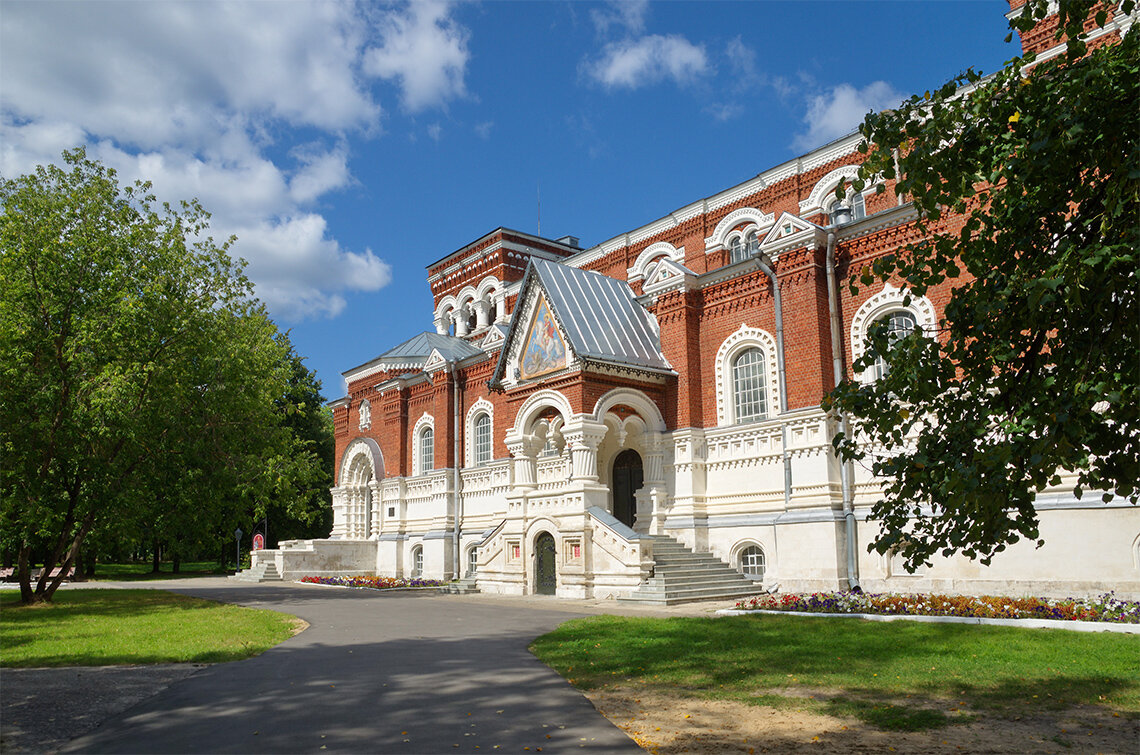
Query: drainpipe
x=837 y=369
x=457 y=400
x=766 y=267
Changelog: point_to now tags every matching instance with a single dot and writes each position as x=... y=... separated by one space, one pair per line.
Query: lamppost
x=237 y=549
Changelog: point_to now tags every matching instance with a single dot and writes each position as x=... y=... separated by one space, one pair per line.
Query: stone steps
x=464 y=586
x=264 y=572
x=682 y=576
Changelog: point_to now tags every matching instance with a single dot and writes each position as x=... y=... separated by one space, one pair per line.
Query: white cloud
x=839 y=112
x=634 y=63
x=425 y=51
x=724 y=111
x=625 y=14
x=191 y=96
x=483 y=130
x=434 y=131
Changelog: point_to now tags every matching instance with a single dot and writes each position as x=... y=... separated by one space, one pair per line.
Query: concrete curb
x=1072 y=626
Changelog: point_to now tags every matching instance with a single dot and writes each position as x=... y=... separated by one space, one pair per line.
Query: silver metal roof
x=418 y=348
x=599 y=316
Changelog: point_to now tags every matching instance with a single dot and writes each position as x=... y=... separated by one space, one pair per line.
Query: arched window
x=900 y=323
x=365 y=415
x=427 y=450
x=752 y=243
x=417 y=562
x=752 y=562
x=736 y=250
x=482 y=438
x=472 y=560
x=854 y=200
x=749 y=387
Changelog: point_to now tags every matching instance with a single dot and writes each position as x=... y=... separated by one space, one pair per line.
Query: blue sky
x=348 y=145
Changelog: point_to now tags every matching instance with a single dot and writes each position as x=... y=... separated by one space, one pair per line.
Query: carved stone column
x=652 y=499
x=583 y=439
x=374 y=515
x=441 y=324
x=523 y=450
x=339 y=505
x=482 y=310
x=459 y=317
x=500 y=306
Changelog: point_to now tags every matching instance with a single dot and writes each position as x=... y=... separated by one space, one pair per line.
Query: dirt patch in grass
x=665 y=723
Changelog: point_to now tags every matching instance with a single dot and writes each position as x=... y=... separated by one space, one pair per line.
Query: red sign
x=258 y=541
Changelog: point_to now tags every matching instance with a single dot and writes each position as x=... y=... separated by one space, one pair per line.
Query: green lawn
x=900 y=675
x=107 y=627
x=142 y=571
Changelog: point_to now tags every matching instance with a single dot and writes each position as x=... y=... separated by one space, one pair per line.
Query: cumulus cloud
x=624 y=14
x=191 y=95
x=635 y=63
x=840 y=111
x=425 y=51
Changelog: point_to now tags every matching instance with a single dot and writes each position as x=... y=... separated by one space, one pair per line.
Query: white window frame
x=472 y=560
x=882 y=304
x=419 y=464
x=740 y=341
x=471 y=453
x=417 y=559
x=743 y=552
x=741 y=390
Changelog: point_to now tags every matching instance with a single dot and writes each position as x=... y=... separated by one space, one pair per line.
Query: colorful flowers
x=1103 y=608
x=375 y=583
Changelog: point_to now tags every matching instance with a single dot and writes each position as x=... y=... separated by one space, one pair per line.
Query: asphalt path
x=383 y=672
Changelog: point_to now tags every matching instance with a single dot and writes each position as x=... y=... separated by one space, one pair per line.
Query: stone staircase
x=263 y=572
x=464 y=586
x=682 y=576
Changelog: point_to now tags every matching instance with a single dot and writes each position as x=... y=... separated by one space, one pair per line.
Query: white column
x=583 y=439
x=500 y=306
x=482 y=310
x=339 y=505
x=459 y=317
x=523 y=450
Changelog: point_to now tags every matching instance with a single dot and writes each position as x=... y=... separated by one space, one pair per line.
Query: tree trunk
x=77 y=567
x=23 y=569
x=156 y=558
x=177 y=559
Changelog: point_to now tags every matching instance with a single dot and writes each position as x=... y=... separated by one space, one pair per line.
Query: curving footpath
x=405 y=672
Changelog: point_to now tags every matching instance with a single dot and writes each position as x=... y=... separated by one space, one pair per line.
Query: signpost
x=237 y=548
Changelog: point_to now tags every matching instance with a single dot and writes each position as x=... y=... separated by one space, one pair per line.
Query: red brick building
x=586 y=422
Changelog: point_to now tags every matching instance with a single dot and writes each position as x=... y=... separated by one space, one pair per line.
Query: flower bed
x=374 y=583
x=1103 y=608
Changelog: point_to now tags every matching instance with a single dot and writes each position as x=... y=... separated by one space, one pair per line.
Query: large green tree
x=1033 y=372
x=141 y=383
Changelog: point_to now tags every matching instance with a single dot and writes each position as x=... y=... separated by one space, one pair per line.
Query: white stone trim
x=650 y=413
x=890 y=299
x=364 y=414
x=534 y=404
x=652 y=253
x=479 y=407
x=758 y=219
x=742 y=339
x=426 y=421
x=818 y=199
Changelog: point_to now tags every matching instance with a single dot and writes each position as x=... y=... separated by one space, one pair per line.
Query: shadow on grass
x=866 y=669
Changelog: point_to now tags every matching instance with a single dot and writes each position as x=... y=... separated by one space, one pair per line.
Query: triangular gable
x=790 y=232
x=494 y=339
x=434 y=361
x=666 y=275
x=544 y=350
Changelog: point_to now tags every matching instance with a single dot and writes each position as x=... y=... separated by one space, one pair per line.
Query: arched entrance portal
x=545 y=570
x=627 y=480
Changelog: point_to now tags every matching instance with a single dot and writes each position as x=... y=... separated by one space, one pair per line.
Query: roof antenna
x=539 y=194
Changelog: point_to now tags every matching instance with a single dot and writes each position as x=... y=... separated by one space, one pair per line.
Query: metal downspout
x=837 y=369
x=457 y=398
x=766 y=267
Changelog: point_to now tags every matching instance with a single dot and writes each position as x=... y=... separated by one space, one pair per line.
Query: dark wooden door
x=546 y=573
x=627 y=480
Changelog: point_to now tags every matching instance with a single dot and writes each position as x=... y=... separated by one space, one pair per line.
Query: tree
x=138 y=375
x=1027 y=188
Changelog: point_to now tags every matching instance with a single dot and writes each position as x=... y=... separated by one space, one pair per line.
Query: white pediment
x=435 y=361
x=791 y=232
x=668 y=275
x=494 y=339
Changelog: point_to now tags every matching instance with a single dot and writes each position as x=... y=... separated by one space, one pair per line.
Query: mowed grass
x=902 y=675
x=142 y=572
x=108 y=627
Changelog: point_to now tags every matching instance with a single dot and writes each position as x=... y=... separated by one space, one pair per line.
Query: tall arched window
x=427 y=450
x=752 y=562
x=752 y=243
x=365 y=413
x=482 y=438
x=417 y=561
x=736 y=250
x=749 y=387
x=472 y=560
x=900 y=323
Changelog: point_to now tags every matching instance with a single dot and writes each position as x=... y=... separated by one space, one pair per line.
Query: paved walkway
x=393 y=672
